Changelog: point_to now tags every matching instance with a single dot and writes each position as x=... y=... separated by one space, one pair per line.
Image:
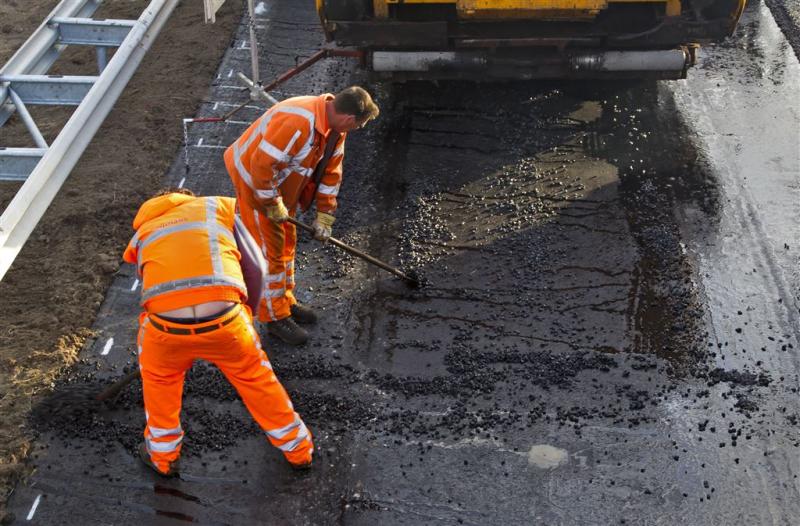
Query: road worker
x=193 y=294
x=288 y=158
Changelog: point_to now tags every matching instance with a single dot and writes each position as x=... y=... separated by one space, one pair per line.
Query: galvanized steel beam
x=53 y=90
x=37 y=192
x=27 y=119
x=88 y=32
x=42 y=49
x=17 y=163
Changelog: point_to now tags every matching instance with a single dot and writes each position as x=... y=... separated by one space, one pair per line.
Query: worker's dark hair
x=173 y=190
x=357 y=102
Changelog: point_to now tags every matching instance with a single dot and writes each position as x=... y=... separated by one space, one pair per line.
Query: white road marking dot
x=107 y=346
x=135 y=284
x=33 y=508
x=200 y=141
x=230 y=73
x=180 y=185
x=216 y=105
x=545 y=456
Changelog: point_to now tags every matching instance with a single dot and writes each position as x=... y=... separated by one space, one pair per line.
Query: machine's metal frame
x=24 y=81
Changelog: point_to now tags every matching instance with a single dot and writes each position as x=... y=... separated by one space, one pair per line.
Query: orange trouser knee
x=277 y=242
x=235 y=348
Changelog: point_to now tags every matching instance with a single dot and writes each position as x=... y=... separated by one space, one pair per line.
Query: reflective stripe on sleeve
x=325 y=189
x=291 y=142
x=272 y=151
x=267 y=194
x=239 y=149
x=296 y=110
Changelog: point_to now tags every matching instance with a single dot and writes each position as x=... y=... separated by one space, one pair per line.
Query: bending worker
x=193 y=290
x=292 y=155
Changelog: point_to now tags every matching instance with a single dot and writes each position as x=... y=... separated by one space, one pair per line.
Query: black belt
x=198 y=330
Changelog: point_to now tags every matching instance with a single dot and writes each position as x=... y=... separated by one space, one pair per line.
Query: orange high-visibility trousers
x=277 y=242
x=229 y=342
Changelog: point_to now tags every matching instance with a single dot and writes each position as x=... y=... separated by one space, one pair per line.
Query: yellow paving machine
x=525 y=39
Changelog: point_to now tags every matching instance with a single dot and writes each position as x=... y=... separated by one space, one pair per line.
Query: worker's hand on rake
x=277 y=212
x=323 y=226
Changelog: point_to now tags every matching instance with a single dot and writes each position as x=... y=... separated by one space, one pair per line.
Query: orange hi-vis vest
x=277 y=155
x=185 y=252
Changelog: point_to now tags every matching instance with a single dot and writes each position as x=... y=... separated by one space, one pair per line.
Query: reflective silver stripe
x=325 y=189
x=305 y=172
x=282 y=175
x=163 y=447
x=213 y=241
x=266 y=364
x=257 y=217
x=135 y=239
x=260 y=240
x=192 y=283
x=249 y=324
x=272 y=278
x=290 y=272
x=306 y=149
x=159 y=432
x=292 y=141
x=309 y=116
x=272 y=151
x=267 y=194
x=292 y=168
x=238 y=149
x=301 y=436
x=274 y=293
x=215 y=229
x=281 y=432
x=141 y=336
x=339 y=151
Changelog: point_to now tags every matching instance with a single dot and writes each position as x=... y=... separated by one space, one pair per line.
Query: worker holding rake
x=195 y=260
x=287 y=159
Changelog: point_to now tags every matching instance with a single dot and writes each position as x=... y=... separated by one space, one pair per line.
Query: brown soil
x=53 y=291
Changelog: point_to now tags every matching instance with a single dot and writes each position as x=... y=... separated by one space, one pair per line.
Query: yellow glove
x=323 y=226
x=277 y=212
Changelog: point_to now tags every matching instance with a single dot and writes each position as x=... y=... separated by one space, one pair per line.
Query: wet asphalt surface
x=608 y=334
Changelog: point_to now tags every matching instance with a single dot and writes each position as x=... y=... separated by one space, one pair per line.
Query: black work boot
x=287 y=331
x=302 y=467
x=174 y=467
x=303 y=314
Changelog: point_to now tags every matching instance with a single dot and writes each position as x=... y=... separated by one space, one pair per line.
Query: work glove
x=277 y=212
x=323 y=226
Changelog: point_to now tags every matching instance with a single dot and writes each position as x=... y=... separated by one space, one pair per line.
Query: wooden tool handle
x=355 y=252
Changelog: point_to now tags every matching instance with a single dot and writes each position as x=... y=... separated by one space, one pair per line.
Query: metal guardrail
x=23 y=81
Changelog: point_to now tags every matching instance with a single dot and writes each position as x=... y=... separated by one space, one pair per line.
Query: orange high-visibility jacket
x=278 y=153
x=185 y=251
